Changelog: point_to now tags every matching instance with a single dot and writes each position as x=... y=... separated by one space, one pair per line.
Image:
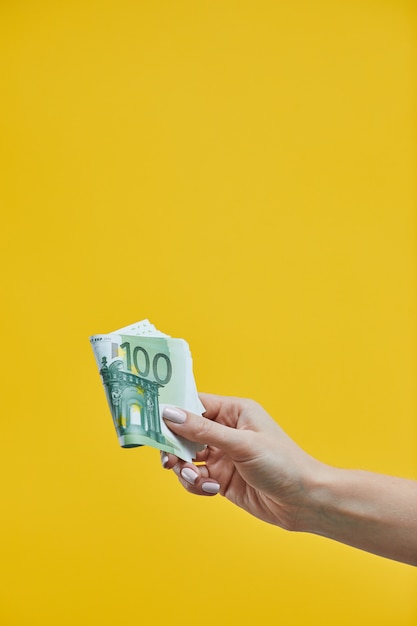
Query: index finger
x=236 y=412
x=222 y=409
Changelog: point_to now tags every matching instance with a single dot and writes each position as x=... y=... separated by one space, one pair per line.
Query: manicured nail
x=174 y=415
x=189 y=475
x=211 y=487
x=164 y=460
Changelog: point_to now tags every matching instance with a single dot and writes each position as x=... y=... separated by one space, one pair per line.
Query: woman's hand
x=252 y=462
x=248 y=459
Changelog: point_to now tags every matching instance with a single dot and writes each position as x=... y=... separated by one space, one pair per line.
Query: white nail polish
x=189 y=475
x=164 y=460
x=174 y=415
x=212 y=488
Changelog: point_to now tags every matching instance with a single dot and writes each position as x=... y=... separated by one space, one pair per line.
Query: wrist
x=319 y=499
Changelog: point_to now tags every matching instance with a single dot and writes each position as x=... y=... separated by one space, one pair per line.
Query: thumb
x=203 y=430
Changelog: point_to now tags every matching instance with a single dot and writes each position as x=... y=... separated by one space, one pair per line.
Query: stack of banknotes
x=143 y=370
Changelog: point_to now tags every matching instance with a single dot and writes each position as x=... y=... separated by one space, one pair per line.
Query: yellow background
x=242 y=174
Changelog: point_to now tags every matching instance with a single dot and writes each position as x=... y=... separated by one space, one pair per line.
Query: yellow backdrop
x=242 y=174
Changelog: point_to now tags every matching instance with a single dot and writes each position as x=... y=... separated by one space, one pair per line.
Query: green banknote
x=142 y=370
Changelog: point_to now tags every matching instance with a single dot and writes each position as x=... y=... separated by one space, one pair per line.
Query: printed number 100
x=162 y=372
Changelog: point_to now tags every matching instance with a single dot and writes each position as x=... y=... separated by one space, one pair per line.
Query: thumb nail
x=173 y=414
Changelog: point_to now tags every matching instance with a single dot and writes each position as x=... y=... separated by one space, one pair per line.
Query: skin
x=252 y=462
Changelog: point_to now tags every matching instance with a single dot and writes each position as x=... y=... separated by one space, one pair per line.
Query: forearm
x=252 y=461
x=369 y=511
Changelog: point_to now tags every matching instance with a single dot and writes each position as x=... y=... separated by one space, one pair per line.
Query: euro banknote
x=142 y=370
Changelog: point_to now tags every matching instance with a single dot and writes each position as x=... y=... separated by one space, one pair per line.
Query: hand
x=252 y=462
x=248 y=459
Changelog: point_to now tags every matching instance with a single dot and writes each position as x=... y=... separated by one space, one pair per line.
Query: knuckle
x=205 y=427
x=252 y=405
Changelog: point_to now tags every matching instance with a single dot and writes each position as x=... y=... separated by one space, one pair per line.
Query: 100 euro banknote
x=142 y=370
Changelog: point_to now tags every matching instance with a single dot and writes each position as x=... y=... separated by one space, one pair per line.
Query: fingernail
x=189 y=475
x=174 y=415
x=211 y=487
x=164 y=460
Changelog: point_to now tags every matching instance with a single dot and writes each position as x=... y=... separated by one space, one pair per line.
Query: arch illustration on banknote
x=134 y=405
